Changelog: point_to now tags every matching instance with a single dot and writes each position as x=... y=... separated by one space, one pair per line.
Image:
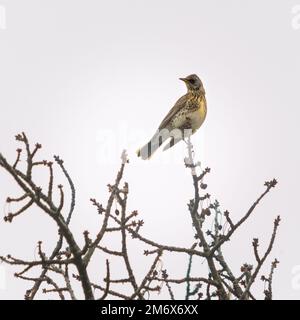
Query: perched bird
x=186 y=116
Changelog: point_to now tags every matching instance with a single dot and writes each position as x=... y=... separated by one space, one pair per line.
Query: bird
x=183 y=120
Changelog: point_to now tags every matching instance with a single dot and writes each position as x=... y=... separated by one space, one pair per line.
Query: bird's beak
x=183 y=79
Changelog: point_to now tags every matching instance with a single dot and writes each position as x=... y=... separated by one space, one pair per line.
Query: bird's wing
x=178 y=106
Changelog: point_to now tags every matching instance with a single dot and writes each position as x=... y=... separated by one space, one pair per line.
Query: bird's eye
x=192 y=81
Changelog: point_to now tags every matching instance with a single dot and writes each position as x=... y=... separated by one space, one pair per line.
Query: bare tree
x=220 y=282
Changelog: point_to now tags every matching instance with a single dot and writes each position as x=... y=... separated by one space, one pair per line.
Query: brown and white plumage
x=187 y=115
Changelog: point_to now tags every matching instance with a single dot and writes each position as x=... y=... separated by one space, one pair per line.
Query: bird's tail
x=156 y=141
x=172 y=142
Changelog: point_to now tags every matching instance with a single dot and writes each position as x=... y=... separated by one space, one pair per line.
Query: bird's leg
x=187 y=130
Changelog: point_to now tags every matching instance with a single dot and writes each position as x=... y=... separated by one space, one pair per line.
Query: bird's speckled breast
x=192 y=115
x=199 y=115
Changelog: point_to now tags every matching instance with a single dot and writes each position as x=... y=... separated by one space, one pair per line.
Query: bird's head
x=193 y=83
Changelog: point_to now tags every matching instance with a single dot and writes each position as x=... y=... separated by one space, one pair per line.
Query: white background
x=90 y=78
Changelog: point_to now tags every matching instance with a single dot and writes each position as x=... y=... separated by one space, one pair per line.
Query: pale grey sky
x=90 y=78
